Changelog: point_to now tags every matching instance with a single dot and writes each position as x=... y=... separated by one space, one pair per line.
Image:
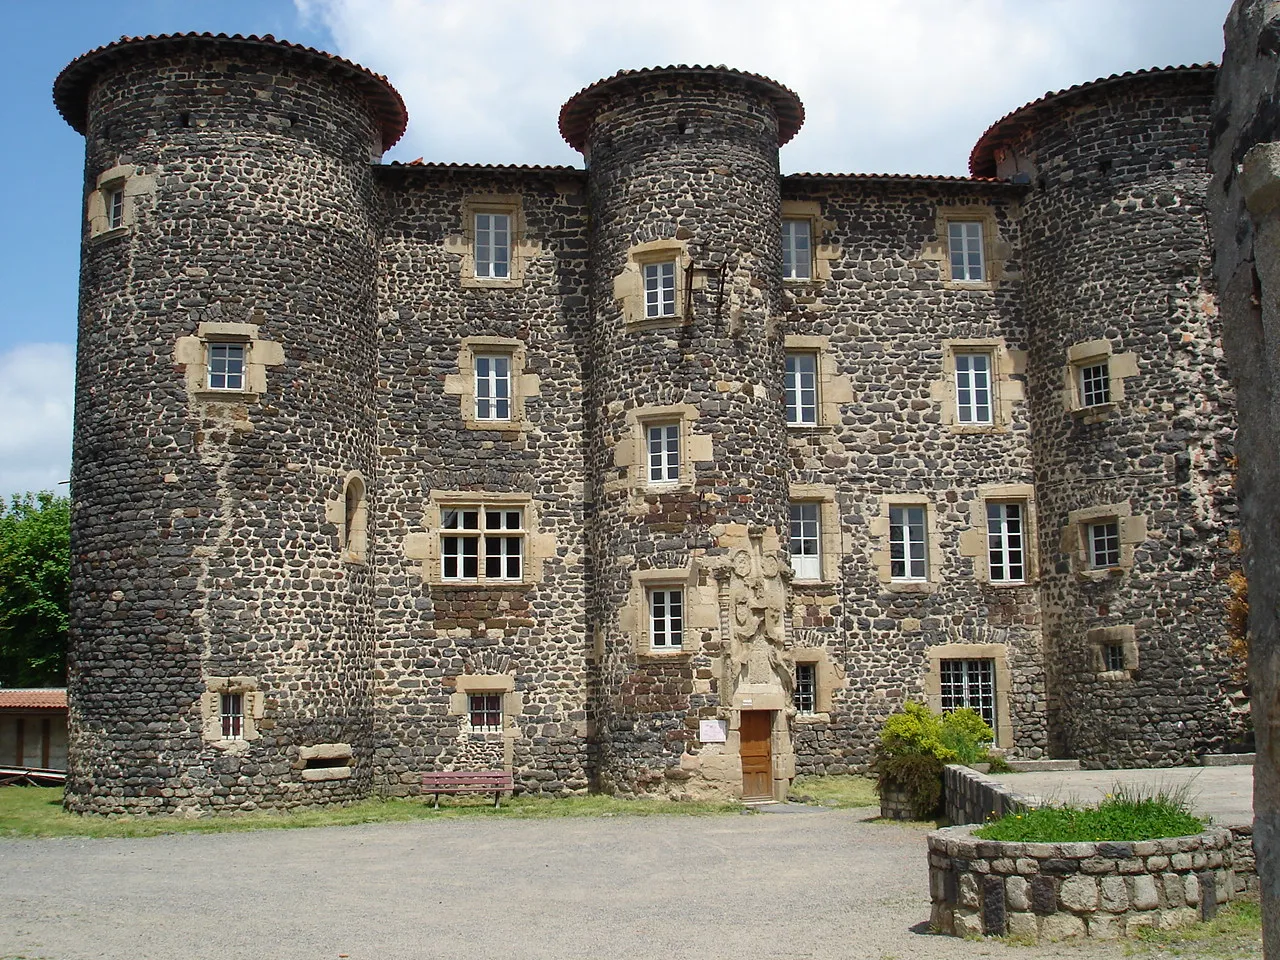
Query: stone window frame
x=628 y=285
x=1075 y=538
x=973 y=542
x=210 y=706
x=501 y=684
x=834 y=387
x=701 y=610
x=336 y=761
x=830 y=547
x=827 y=680
x=1091 y=353
x=132 y=184
x=523 y=250
x=878 y=528
x=352 y=524
x=539 y=546
x=995 y=249
x=632 y=455
x=192 y=354
x=822 y=255
x=1008 y=370
x=1123 y=636
x=998 y=653
x=524 y=385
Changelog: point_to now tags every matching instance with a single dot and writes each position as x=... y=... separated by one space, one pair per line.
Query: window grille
x=972 y=684
x=907 y=554
x=666 y=619
x=493 y=246
x=797 y=255
x=486 y=712
x=802 y=389
x=232 y=711
x=1113 y=657
x=966 y=250
x=973 y=388
x=226 y=366
x=806 y=558
x=806 y=692
x=1006 y=559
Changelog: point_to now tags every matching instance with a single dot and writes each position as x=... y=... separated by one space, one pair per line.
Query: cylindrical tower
x=1131 y=413
x=224 y=465
x=687 y=510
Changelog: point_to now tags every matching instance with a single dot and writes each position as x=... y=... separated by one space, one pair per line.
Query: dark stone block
x=1060 y=868
x=1044 y=895
x=1208 y=895
x=993 y=906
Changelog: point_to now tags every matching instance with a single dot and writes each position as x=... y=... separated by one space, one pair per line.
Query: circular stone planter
x=1051 y=891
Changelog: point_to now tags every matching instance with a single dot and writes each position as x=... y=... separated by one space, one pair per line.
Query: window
x=486 y=712
x=973 y=388
x=232 y=715
x=493 y=386
x=1095 y=385
x=355 y=519
x=972 y=684
x=226 y=366
x=493 y=246
x=907 y=543
x=805 y=696
x=666 y=619
x=806 y=556
x=797 y=250
x=468 y=552
x=663 y=445
x=114 y=197
x=1113 y=657
x=1104 y=544
x=1006 y=558
x=965 y=245
x=660 y=289
x=802 y=389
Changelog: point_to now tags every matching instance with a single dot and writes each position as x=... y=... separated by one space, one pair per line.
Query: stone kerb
x=1100 y=890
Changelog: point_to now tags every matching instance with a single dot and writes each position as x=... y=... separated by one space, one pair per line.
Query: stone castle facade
x=669 y=475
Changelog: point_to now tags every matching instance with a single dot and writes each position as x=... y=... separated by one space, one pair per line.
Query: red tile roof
x=576 y=114
x=28 y=698
x=982 y=162
x=893 y=177
x=421 y=164
x=71 y=89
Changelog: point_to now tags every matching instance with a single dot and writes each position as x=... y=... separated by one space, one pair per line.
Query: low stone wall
x=1242 y=857
x=1055 y=890
x=971 y=797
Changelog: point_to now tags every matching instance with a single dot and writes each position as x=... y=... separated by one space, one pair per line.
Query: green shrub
x=917 y=743
x=1125 y=814
x=967 y=735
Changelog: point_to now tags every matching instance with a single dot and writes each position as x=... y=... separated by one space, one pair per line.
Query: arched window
x=355 y=520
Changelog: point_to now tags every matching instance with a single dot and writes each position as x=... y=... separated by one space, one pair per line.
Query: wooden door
x=754 y=730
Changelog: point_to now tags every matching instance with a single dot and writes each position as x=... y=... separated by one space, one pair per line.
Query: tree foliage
x=35 y=585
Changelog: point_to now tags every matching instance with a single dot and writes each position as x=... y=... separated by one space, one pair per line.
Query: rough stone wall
x=430 y=634
x=1114 y=249
x=200 y=543
x=886 y=311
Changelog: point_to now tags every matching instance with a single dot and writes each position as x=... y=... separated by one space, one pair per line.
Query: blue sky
x=903 y=86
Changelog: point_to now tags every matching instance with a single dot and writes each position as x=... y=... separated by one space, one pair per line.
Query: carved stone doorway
x=755 y=732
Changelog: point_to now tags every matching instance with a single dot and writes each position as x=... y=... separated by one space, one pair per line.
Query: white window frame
x=801 y=388
x=487 y=544
x=908 y=553
x=113 y=201
x=970 y=683
x=493 y=387
x=666 y=628
x=797 y=249
x=659 y=289
x=973 y=383
x=965 y=251
x=1102 y=538
x=806 y=540
x=1007 y=541
x=805 y=695
x=1094 y=382
x=492 y=245
x=662 y=441
x=482 y=704
x=217 y=368
x=231 y=715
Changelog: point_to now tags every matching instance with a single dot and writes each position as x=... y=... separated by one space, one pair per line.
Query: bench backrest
x=494 y=778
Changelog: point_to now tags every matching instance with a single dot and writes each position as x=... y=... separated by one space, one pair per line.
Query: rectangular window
x=666 y=619
x=802 y=389
x=797 y=253
x=806 y=558
x=907 y=558
x=486 y=712
x=232 y=711
x=965 y=242
x=806 y=692
x=1113 y=657
x=468 y=552
x=114 y=198
x=493 y=387
x=972 y=684
x=493 y=245
x=660 y=289
x=663 y=444
x=973 y=388
x=1104 y=544
x=226 y=366
x=1095 y=385
x=1005 y=553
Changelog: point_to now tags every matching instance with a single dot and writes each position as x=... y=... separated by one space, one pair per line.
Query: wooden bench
x=468 y=781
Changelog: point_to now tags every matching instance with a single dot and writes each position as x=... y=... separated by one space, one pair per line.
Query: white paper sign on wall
x=712 y=731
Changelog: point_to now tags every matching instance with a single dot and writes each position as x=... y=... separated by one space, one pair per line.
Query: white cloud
x=37 y=387
x=901 y=86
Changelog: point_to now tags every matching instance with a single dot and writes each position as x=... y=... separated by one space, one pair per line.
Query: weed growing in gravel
x=1125 y=814
x=1236 y=932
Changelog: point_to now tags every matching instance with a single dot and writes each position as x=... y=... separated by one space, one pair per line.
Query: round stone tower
x=224 y=449
x=688 y=503
x=1131 y=416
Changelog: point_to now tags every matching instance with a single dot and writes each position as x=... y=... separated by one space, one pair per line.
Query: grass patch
x=1126 y=814
x=1235 y=932
x=37 y=812
x=835 y=791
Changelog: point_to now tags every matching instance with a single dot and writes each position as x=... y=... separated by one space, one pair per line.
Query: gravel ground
x=810 y=885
